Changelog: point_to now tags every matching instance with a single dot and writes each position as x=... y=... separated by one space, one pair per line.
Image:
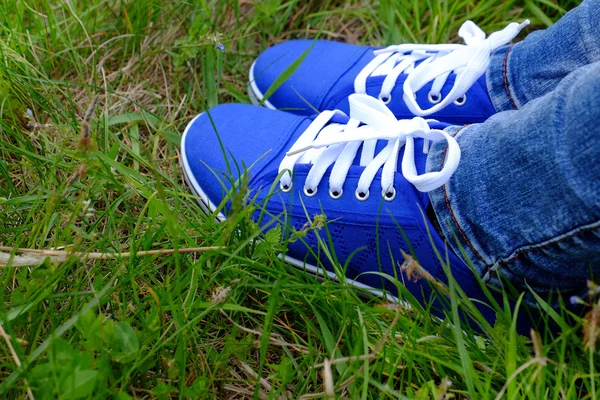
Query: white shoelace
x=323 y=145
x=468 y=61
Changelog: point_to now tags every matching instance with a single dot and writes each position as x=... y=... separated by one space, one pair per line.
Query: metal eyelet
x=385 y=99
x=335 y=195
x=285 y=188
x=361 y=196
x=434 y=99
x=461 y=100
x=389 y=195
x=308 y=192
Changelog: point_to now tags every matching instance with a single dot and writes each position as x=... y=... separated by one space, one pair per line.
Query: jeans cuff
x=448 y=216
x=498 y=81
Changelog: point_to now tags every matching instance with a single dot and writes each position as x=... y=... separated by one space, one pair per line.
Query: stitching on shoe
x=505 y=75
x=383 y=223
x=527 y=249
x=447 y=200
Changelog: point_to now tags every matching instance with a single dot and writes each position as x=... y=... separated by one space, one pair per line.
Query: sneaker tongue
x=386 y=68
x=420 y=158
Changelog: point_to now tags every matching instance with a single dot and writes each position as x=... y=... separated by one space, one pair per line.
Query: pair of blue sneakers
x=351 y=144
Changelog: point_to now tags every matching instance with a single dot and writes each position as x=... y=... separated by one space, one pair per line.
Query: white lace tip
x=426 y=146
x=524 y=24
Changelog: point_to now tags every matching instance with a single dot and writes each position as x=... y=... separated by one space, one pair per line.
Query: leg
x=525 y=200
x=535 y=66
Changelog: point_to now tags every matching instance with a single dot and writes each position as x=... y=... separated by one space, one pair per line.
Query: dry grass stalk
x=274 y=338
x=443 y=390
x=328 y=379
x=414 y=271
x=591 y=327
x=252 y=374
x=363 y=357
x=538 y=360
x=32 y=257
x=15 y=357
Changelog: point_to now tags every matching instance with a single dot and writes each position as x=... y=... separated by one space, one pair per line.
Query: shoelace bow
x=324 y=144
x=469 y=62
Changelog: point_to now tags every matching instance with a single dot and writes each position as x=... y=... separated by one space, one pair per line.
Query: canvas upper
x=331 y=72
x=366 y=237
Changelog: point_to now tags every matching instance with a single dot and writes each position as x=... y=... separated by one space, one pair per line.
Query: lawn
x=145 y=296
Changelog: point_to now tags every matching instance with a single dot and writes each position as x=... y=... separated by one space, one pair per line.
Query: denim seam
x=529 y=248
x=505 y=75
x=447 y=201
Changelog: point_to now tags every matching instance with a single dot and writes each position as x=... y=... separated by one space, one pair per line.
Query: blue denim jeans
x=524 y=203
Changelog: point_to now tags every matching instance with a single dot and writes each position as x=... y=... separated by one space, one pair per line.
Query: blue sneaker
x=446 y=82
x=366 y=172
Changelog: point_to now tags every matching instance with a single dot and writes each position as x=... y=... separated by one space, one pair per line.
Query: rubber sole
x=254 y=93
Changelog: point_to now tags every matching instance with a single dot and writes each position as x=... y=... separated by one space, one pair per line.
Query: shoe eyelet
x=308 y=192
x=335 y=195
x=434 y=99
x=360 y=196
x=285 y=188
x=389 y=195
x=461 y=100
x=385 y=99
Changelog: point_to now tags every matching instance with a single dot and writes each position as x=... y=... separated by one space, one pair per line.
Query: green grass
x=94 y=168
